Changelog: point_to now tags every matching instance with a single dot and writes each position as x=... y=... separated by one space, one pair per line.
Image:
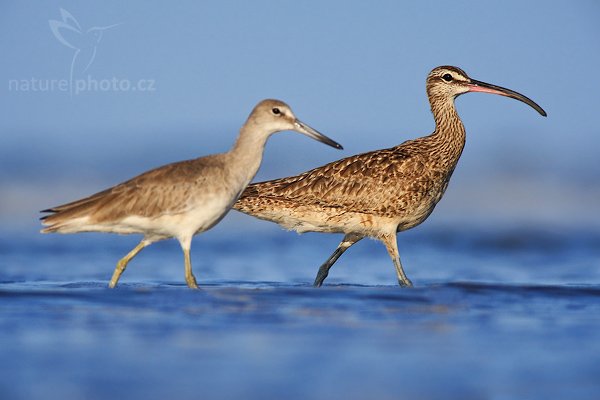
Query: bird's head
x=275 y=116
x=448 y=82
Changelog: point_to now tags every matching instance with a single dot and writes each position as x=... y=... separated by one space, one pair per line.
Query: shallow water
x=502 y=314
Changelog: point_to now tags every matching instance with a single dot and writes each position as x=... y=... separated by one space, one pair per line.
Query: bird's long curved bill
x=301 y=127
x=478 y=86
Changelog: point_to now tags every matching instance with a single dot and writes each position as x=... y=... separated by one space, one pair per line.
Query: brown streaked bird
x=379 y=193
x=181 y=199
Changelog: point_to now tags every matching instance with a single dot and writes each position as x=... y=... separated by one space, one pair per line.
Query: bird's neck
x=248 y=150
x=449 y=136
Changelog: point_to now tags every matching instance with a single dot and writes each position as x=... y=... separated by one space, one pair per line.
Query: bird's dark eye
x=447 y=77
x=276 y=111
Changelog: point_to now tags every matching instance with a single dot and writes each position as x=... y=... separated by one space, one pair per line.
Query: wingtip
x=49 y=212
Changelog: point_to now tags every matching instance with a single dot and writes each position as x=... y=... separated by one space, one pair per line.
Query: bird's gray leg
x=122 y=264
x=345 y=244
x=190 y=279
x=392 y=248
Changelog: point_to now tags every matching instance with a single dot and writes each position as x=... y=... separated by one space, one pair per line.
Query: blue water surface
x=495 y=314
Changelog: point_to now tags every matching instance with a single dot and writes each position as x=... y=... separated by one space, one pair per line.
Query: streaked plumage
x=378 y=193
x=181 y=199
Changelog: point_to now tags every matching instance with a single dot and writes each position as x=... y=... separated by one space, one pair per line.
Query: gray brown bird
x=181 y=199
x=379 y=193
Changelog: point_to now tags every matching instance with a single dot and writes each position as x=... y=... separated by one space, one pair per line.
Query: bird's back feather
x=386 y=183
x=165 y=190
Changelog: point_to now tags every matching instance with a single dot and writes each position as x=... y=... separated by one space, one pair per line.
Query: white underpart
x=198 y=218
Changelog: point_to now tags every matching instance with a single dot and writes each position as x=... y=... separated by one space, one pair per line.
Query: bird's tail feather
x=68 y=217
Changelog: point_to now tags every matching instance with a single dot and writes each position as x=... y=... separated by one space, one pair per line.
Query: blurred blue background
x=353 y=70
x=506 y=298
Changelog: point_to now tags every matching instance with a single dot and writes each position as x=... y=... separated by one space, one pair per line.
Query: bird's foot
x=319 y=280
x=405 y=282
x=191 y=282
x=322 y=275
x=121 y=265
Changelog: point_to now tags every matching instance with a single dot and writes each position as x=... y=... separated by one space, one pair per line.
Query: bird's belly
x=398 y=215
x=421 y=210
x=194 y=220
x=332 y=221
x=416 y=217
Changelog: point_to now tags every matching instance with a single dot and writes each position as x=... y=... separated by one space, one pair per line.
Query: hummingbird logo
x=84 y=42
